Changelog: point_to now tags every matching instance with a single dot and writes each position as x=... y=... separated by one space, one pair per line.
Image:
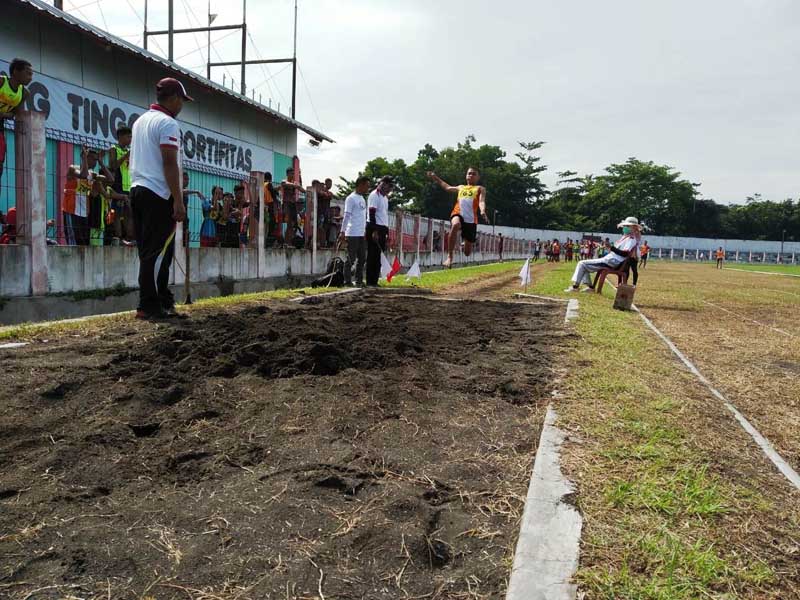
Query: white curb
x=549 y=539
x=572 y=310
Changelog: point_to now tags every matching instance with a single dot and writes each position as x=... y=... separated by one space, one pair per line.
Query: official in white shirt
x=354 y=226
x=157 y=196
x=377 y=228
x=622 y=249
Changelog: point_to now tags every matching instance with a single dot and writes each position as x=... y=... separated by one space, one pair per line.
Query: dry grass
x=677 y=500
x=742 y=332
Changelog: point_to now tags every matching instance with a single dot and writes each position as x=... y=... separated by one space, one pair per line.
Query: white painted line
x=12 y=345
x=302 y=299
x=572 y=310
x=549 y=539
x=759 y=439
x=749 y=319
x=761 y=272
x=521 y=295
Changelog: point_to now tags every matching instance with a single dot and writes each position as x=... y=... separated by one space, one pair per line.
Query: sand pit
x=365 y=446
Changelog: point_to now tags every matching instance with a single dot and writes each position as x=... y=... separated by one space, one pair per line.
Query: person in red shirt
x=9 y=227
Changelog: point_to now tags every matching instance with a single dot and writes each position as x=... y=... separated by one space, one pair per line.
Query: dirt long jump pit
x=360 y=446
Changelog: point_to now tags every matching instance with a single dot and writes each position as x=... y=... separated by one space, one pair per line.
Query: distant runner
x=645 y=253
x=464 y=217
x=720 y=256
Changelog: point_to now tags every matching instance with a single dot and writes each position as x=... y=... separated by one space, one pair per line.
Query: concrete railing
x=33 y=268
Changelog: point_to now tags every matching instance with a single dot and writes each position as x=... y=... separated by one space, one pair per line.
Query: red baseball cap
x=172 y=87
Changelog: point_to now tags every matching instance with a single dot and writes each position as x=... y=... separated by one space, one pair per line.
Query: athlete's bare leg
x=455 y=228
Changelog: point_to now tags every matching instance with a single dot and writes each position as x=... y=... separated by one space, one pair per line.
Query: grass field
x=785 y=269
x=677 y=500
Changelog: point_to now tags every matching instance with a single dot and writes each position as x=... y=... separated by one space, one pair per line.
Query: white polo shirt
x=627 y=243
x=381 y=205
x=151 y=131
x=355 y=216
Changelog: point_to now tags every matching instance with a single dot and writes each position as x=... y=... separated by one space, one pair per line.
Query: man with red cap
x=157 y=196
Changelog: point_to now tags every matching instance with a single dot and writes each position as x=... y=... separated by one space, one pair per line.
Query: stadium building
x=88 y=82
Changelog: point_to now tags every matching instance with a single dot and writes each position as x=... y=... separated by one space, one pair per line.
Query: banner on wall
x=78 y=111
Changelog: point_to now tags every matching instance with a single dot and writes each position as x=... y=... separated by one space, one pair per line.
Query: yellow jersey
x=9 y=99
x=468 y=203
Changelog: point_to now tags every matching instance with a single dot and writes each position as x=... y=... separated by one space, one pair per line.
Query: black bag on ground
x=334 y=274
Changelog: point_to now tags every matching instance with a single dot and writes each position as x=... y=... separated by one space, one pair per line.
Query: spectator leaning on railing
x=289 y=193
x=12 y=95
x=208 y=229
x=118 y=164
x=82 y=205
x=157 y=196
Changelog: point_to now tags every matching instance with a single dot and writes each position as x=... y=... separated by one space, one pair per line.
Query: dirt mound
x=375 y=446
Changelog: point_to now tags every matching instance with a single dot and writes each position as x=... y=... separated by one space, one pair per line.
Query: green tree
x=513 y=187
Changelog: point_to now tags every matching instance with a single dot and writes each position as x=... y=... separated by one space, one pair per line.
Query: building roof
x=58 y=15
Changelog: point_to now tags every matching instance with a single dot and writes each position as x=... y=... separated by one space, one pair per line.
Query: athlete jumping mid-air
x=471 y=198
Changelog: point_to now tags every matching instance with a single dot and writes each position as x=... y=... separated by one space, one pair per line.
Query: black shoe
x=151 y=315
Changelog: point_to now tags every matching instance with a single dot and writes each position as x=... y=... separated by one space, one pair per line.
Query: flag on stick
x=525 y=273
x=386 y=266
x=396 y=266
x=414 y=271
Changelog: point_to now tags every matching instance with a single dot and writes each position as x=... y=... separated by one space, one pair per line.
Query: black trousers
x=356 y=253
x=374 y=250
x=155 y=240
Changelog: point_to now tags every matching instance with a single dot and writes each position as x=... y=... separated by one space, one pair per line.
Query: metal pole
x=145 y=24
x=244 y=46
x=294 y=64
x=59 y=4
x=170 y=27
x=208 y=49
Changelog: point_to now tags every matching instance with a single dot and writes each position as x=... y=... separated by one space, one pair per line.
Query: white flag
x=414 y=271
x=386 y=266
x=525 y=273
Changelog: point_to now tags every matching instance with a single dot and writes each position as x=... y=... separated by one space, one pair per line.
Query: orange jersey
x=720 y=254
x=467 y=203
x=75 y=192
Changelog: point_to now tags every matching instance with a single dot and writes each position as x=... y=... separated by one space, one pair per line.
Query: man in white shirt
x=377 y=228
x=157 y=196
x=623 y=248
x=353 y=230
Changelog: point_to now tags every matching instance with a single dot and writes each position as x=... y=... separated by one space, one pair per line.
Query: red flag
x=396 y=266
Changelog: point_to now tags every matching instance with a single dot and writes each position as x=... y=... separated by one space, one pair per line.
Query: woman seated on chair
x=623 y=248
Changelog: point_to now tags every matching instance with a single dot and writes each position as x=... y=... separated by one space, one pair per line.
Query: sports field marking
x=749 y=319
x=759 y=439
x=761 y=272
x=521 y=295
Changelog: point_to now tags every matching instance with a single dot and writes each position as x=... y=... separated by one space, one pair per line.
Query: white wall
x=655 y=241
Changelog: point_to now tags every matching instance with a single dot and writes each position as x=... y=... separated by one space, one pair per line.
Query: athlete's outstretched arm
x=482 y=204
x=442 y=183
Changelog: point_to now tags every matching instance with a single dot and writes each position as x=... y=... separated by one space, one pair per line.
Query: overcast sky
x=709 y=87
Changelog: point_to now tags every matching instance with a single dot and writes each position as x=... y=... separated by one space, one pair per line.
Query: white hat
x=630 y=222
